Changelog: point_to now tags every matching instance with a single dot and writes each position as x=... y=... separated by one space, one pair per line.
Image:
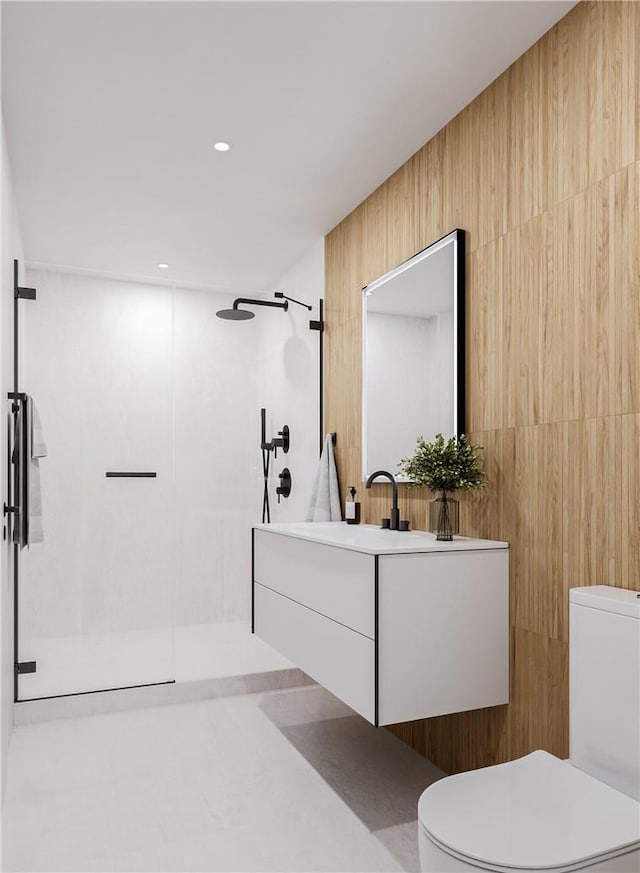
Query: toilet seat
x=535 y=813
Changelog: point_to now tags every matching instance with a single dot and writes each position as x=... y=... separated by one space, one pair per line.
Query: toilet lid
x=534 y=813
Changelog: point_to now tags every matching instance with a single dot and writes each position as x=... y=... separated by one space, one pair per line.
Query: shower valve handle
x=284 y=488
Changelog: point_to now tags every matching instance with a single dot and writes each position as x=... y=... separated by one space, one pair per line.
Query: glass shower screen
x=96 y=596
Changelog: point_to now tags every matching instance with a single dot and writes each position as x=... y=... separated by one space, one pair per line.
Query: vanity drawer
x=338 y=658
x=443 y=633
x=335 y=582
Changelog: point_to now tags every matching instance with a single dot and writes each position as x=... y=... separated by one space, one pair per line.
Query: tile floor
x=209 y=651
x=281 y=781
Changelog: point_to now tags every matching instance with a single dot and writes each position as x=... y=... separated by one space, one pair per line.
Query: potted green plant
x=445 y=466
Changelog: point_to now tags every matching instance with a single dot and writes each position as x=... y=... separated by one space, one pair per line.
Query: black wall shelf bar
x=115 y=474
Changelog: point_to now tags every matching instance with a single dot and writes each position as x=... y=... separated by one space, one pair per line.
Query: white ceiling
x=112 y=109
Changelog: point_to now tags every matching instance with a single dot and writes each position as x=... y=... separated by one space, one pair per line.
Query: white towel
x=37 y=450
x=325 y=496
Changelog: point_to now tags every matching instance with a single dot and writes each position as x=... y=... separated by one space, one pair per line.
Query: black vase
x=444 y=517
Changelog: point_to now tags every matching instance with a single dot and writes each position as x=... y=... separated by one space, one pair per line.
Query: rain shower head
x=236 y=314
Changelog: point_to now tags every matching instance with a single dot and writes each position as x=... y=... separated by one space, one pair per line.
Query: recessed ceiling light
x=222 y=146
x=164 y=266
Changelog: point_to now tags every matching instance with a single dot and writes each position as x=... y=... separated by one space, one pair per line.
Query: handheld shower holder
x=281 y=441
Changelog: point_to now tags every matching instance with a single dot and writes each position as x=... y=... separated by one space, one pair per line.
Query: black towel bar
x=134 y=475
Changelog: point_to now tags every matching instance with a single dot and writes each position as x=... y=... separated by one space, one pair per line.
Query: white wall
x=11 y=248
x=289 y=382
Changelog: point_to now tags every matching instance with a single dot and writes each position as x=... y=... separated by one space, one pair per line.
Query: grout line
x=475 y=432
x=550 y=209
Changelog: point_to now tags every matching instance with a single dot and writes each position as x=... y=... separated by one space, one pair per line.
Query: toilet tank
x=604 y=685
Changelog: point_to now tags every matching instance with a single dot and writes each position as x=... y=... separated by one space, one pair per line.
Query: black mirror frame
x=459 y=292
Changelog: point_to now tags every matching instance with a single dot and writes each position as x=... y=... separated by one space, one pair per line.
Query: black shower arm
x=292 y=299
x=252 y=302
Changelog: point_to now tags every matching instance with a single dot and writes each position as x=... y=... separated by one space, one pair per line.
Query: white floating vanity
x=395 y=624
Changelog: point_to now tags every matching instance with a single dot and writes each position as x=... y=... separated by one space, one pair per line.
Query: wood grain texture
x=543 y=171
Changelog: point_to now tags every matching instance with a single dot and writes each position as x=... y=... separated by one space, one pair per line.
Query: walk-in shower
x=144 y=579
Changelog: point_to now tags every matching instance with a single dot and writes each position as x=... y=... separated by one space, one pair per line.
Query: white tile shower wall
x=11 y=248
x=217 y=437
x=289 y=382
x=398 y=346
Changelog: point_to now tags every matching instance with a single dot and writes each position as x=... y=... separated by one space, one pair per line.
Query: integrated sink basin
x=373 y=540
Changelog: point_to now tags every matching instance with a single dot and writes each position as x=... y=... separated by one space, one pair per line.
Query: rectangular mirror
x=413 y=354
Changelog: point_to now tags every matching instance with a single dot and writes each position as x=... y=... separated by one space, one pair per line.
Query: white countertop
x=372 y=540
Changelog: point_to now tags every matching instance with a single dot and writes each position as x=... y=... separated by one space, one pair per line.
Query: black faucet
x=394 y=521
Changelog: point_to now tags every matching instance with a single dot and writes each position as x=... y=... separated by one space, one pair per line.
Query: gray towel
x=28 y=447
x=325 y=496
x=38 y=449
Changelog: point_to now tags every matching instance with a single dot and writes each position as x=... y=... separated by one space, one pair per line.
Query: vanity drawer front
x=443 y=633
x=338 y=658
x=335 y=582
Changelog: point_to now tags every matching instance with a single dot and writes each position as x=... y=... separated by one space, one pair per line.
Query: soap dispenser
x=352 y=508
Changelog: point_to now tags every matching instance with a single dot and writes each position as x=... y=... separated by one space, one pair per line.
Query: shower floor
x=118 y=660
x=211 y=651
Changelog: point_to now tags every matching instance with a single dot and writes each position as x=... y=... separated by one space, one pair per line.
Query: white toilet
x=542 y=813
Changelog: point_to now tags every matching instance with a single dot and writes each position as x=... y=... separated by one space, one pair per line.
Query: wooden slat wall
x=543 y=171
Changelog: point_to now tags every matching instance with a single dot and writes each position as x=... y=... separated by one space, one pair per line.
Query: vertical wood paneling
x=543 y=171
x=532 y=130
x=489 y=340
x=538 y=596
x=624 y=283
x=597 y=94
x=539 y=708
